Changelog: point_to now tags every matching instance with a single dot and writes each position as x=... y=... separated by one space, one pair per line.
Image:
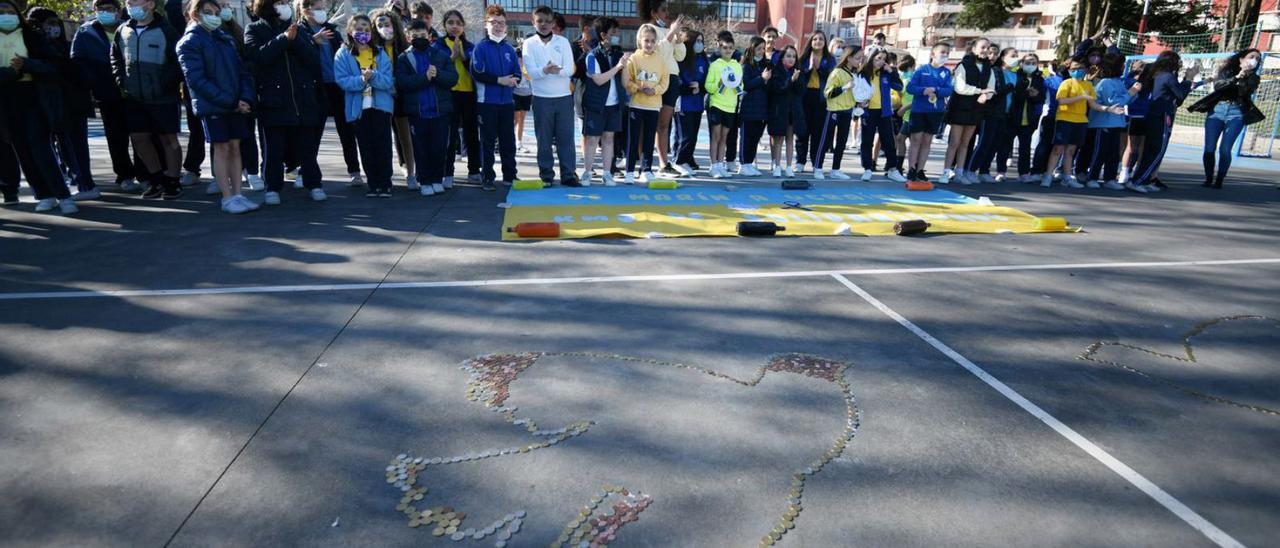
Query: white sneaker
x=411 y=182
x=748 y=170
x=447 y=182
x=685 y=170
x=1113 y=185
x=1047 y=180
x=46 y=204
x=189 y=178
x=505 y=183
x=1135 y=188
x=715 y=172
x=945 y=178
x=1027 y=178
x=1151 y=188
x=790 y=171
x=427 y=190
x=819 y=174
x=130 y=185
x=608 y=179
x=777 y=171
x=731 y=168
x=252 y=205
x=896 y=176
x=234 y=206
x=1093 y=184
x=986 y=178
x=648 y=177
x=1123 y=176
x=68 y=206
x=212 y=189
x=630 y=178
x=970 y=178
x=271 y=198
x=1071 y=182
x=356 y=179
x=297 y=183
x=91 y=194
x=255 y=181
x=438 y=187
x=840 y=175
x=318 y=195
x=1000 y=178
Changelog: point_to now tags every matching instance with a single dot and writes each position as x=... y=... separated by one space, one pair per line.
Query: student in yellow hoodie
x=840 y=103
x=723 y=85
x=646 y=81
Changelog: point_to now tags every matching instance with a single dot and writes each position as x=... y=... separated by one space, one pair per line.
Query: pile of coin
x=491 y=374
x=804 y=364
x=592 y=530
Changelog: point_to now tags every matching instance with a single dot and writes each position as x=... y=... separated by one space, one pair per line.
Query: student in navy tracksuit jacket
x=753 y=114
x=1040 y=165
x=816 y=64
x=878 y=118
x=1161 y=78
x=604 y=98
x=91 y=51
x=930 y=86
x=786 y=111
x=495 y=66
x=693 y=99
x=425 y=76
x=1024 y=114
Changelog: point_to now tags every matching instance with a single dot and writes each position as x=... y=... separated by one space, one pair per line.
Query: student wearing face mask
x=496 y=69
x=772 y=47
x=929 y=86
x=1076 y=97
x=671 y=51
x=786 y=111
x=249 y=157
x=548 y=58
x=877 y=118
x=144 y=62
x=1044 y=147
x=362 y=69
x=175 y=12
x=389 y=27
x=816 y=64
x=975 y=86
x=693 y=73
x=425 y=77
x=1103 y=160
x=71 y=134
x=995 y=139
x=286 y=69
x=1025 y=111
x=1230 y=108
x=222 y=95
x=757 y=71
x=1136 y=117
x=1167 y=94
x=91 y=52
x=604 y=98
x=30 y=107
x=646 y=82
x=724 y=87
x=328 y=39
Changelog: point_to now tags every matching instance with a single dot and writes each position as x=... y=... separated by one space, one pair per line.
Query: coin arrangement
x=491 y=376
x=1189 y=356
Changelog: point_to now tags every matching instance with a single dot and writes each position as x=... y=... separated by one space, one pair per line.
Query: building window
x=738 y=10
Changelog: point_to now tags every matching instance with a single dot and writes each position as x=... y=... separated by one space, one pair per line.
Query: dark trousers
x=873 y=122
x=731 y=144
x=346 y=132
x=1084 y=154
x=32 y=142
x=752 y=131
x=430 y=147
x=1024 y=134
x=1105 y=159
x=373 y=138
x=116 y=128
x=808 y=144
x=281 y=141
x=497 y=128
x=195 y=139
x=993 y=133
x=249 y=147
x=835 y=125
x=687 y=125
x=73 y=150
x=1044 y=147
x=464 y=135
x=640 y=135
x=1156 y=130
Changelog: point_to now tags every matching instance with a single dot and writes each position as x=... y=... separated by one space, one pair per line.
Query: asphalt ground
x=173 y=375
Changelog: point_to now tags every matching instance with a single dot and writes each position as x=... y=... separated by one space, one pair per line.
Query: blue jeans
x=1221 y=130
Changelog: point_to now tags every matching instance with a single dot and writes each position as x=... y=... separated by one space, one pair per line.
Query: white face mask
x=320 y=16
x=615 y=40
x=497 y=36
x=1249 y=64
x=837 y=53
x=386 y=33
x=285 y=12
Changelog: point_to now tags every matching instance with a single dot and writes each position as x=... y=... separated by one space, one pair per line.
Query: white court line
x=611 y=279
x=1218 y=536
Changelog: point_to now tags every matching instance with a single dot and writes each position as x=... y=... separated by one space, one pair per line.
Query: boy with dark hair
x=426 y=76
x=145 y=67
x=548 y=58
x=91 y=51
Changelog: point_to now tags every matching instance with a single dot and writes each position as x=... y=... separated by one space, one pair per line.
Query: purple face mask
x=362 y=37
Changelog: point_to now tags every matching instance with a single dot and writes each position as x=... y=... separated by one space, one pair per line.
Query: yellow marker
x=663 y=185
x=527 y=184
x=1051 y=224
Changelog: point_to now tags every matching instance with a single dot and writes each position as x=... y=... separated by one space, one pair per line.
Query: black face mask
x=544 y=36
x=420 y=43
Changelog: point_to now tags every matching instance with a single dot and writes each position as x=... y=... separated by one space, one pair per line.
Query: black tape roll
x=759 y=228
x=796 y=184
x=907 y=228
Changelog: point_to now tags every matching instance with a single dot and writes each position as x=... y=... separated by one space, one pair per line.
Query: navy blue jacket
x=786 y=100
x=489 y=61
x=425 y=98
x=286 y=72
x=691 y=72
x=595 y=97
x=825 y=66
x=91 y=51
x=1024 y=102
x=755 y=102
x=217 y=80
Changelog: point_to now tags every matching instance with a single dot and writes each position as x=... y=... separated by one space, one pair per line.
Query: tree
x=986 y=14
x=1238 y=15
x=1168 y=17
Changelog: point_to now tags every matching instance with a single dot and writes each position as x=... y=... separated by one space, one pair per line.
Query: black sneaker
x=371 y=194
x=384 y=194
x=573 y=181
x=488 y=186
x=171 y=191
x=670 y=170
x=153 y=192
x=1159 y=184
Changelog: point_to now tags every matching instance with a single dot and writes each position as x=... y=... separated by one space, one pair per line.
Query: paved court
x=170 y=375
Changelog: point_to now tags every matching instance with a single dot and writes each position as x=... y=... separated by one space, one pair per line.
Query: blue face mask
x=1078 y=74
x=8 y=22
x=107 y=18
x=698 y=47
x=137 y=13
x=1029 y=68
x=225 y=14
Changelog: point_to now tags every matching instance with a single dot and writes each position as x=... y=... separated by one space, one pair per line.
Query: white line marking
x=1152 y=490
x=611 y=279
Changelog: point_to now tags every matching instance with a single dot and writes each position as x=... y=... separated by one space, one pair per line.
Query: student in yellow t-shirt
x=1076 y=97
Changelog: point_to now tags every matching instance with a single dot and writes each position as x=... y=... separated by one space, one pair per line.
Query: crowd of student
x=261 y=97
